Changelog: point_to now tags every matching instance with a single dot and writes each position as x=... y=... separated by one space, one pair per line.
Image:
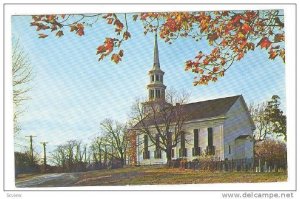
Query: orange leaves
x=240 y=55
x=273 y=54
x=236 y=19
x=114 y=20
x=282 y=54
x=119 y=25
x=107 y=48
x=59 y=33
x=279 y=38
x=264 y=43
x=126 y=35
x=41 y=35
x=216 y=69
x=250 y=46
x=78 y=28
x=171 y=24
x=101 y=49
x=224 y=43
x=223 y=61
x=115 y=58
x=250 y=15
x=246 y=28
x=276 y=51
x=205 y=61
x=212 y=37
x=199 y=56
x=110 y=20
x=111 y=43
x=121 y=53
x=231 y=34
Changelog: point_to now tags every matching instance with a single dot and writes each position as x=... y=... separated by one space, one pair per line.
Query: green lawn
x=161 y=175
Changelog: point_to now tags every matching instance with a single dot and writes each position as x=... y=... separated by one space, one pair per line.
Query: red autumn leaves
x=53 y=23
x=230 y=35
x=111 y=43
x=78 y=28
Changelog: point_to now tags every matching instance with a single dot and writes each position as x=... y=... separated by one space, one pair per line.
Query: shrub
x=271 y=151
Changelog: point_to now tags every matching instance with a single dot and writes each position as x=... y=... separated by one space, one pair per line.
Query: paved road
x=50 y=180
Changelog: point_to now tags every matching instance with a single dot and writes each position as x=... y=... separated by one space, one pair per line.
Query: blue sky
x=72 y=92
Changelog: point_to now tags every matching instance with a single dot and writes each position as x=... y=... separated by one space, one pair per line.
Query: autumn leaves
x=231 y=35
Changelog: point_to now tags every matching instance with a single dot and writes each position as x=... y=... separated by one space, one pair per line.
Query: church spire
x=156 y=57
x=156 y=85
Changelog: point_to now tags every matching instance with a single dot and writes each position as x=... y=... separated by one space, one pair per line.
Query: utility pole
x=85 y=154
x=45 y=158
x=31 y=148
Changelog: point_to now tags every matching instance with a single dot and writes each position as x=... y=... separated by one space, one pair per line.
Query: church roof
x=209 y=108
x=199 y=110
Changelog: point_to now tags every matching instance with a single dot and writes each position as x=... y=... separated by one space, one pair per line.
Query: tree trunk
x=169 y=156
x=122 y=159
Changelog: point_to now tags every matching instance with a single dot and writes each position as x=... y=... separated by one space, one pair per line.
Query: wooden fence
x=247 y=164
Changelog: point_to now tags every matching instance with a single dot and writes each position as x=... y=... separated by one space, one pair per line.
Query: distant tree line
x=105 y=151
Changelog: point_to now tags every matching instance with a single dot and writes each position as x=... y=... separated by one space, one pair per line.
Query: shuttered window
x=145 y=143
x=196 y=138
x=182 y=140
x=210 y=137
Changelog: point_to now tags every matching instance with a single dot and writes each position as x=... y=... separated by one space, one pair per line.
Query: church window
x=157 y=93
x=210 y=136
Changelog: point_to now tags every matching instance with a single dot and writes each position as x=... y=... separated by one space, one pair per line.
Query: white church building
x=219 y=127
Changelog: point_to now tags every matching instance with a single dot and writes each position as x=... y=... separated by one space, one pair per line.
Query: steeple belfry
x=156 y=87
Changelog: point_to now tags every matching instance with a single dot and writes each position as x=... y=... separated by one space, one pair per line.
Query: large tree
x=276 y=117
x=230 y=34
x=269 y=119
x=21 y=75
x=116 y=136
x=262 y=124
x=162 y=120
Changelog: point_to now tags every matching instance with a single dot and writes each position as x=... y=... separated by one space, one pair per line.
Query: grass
x=161 y=175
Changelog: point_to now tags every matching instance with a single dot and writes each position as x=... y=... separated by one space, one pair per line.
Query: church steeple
x=156 y=86
x=156 y=57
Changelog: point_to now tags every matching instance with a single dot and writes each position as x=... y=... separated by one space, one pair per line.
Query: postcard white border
x=289 y=11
